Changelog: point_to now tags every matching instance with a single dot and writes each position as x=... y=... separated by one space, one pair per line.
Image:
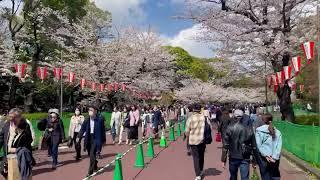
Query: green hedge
x=312 y=119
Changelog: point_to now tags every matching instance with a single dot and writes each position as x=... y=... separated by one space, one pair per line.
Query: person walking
x=114 y=123
x=195 y=127
x=156 y=119
x=269 y=144
x=124 y=117
x=74 y=128
x=15 y=133
x=54 y=135
x=239 y=145
x=226 y=121
x=145 y=118
x=93 y=128
x=134 y=116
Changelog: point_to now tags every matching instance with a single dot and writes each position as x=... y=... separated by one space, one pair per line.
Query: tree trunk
x=12 y=91
x=284 y=96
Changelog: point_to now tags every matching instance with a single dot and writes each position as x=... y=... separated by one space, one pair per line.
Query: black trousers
x=76 y=146
x=269 y=171
x=197 y=152
x=92 y=152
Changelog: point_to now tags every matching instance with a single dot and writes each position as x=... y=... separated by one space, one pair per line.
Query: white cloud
x=186 y=39
x=123 y=11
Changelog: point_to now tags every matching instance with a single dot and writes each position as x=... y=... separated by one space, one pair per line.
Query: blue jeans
x=54 y=153
x=235 y=164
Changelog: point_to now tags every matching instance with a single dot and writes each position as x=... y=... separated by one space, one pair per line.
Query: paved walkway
x=171 y=163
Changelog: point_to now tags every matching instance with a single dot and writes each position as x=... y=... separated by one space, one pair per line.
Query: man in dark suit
x=156 y=118
x=94 y=130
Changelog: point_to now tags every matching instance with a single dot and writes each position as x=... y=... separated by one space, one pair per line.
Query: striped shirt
x=195 y=128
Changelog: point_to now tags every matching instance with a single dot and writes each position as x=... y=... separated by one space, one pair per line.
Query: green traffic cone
x=139 y=158
x=118 y=168
x=150 y=148
x=171 y=135
x=163 y=141
x=179 y=130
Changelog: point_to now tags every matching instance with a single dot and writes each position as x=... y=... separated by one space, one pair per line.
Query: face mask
x=77 y=112
x=91 y=113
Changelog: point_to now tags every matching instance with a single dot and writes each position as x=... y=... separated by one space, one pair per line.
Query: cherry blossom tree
x=197 y=91
x=254 y=33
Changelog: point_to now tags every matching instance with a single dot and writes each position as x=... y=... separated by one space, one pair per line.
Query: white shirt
x=91 y=126
x=182 y=112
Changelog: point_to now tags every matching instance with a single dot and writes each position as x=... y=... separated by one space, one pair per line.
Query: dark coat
x=246 y=121
x=99 y=131
x=4 y=136
x=156 y=118
x=57 y=135
x=25 y=162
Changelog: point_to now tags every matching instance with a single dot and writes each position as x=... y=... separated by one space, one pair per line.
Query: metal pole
x=318 y=47
x=266 y=83
x=61 y=86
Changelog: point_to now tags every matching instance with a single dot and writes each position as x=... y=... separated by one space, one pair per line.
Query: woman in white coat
x=114 y=123
x=74 y=128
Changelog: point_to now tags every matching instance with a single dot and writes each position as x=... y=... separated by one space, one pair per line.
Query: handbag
x=218 y=137
x=70 y=142
x=207 y=133
x=126 y=123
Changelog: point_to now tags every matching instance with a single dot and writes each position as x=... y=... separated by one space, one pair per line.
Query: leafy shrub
x=307 y=119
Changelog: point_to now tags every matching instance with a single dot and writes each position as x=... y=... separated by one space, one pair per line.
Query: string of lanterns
x=42 y=73
x=288 y=73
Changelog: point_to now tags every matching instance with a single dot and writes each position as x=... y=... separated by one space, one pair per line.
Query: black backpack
x=207 y=137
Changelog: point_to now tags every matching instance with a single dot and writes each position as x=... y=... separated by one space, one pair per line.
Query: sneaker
x=198 y=178
x=189 y=153
x=54 y=167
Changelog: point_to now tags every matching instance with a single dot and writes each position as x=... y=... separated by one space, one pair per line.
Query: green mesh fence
x=301 y=140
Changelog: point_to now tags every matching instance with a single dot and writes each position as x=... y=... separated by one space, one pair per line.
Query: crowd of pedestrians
x=248 y=136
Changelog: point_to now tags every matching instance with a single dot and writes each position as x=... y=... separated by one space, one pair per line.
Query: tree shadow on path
x=211 y=172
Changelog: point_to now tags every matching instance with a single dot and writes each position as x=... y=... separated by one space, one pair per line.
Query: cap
x=238 y=113
x=56 y=111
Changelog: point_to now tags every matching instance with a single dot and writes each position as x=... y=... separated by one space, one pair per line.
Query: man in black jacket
x=240 y=145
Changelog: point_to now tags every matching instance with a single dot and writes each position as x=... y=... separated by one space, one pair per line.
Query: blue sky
x=159 y=14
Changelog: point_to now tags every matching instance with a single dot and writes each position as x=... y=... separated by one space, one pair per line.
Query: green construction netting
x=301 y=140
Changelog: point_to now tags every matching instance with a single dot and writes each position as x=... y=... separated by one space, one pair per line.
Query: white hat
x=56 y=111
x=238 y=113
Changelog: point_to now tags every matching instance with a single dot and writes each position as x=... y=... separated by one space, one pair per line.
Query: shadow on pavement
x=41 y=171
x=212 y=172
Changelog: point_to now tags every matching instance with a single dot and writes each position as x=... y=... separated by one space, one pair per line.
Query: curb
x=301 y=163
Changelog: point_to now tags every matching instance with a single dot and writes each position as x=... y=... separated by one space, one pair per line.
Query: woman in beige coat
x=74 y=128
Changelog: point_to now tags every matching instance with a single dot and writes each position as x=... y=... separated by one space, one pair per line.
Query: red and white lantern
x=57 y=72
x=292 y=84
x=116 y=86
x=93 y=86
x=123 y=87
x=296 y=63
x=20 y=70
x=71 y=77
x=275 y=89
x=308 y=49
x=82 y=83
x=110 y=87
x=286 y=72
x=42 y=73
x=274 y=79
x=279 y=77
x=101 y=87
x=301 y=87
